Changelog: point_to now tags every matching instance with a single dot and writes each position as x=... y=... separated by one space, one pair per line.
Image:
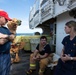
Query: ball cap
x=5 y=15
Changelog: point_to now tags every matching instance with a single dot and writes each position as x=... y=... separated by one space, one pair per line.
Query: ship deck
x=21 y=67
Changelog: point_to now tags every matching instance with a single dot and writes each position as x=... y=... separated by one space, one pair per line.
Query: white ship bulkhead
x=44 y=18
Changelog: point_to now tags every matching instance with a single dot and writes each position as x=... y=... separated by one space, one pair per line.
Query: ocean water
x=20 y=34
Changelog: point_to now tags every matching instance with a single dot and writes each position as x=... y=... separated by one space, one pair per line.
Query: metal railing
x=46 y=9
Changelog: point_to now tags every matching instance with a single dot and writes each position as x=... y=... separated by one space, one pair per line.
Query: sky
x=19 y=9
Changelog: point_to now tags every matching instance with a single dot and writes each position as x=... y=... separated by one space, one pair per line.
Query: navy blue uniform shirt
x=69 y=67
x=69 y=46
x=70 y=49
x=5 y=47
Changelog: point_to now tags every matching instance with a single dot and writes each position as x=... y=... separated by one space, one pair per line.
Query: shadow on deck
x=21 y=67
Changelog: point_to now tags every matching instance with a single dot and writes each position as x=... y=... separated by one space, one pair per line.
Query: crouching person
x=42 y=54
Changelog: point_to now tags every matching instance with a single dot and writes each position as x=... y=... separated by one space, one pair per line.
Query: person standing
x=5 y=43
x=41 y=54
x=67 y=62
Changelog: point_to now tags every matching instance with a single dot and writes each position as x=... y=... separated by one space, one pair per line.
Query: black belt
x=4 y=52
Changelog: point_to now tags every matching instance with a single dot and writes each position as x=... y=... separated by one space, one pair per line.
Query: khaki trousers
x=42 y=63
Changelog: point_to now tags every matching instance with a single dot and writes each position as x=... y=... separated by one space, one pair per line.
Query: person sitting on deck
x=42 y=54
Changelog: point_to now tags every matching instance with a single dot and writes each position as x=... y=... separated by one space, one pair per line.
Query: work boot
x=30 y=71
x=41 y=72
